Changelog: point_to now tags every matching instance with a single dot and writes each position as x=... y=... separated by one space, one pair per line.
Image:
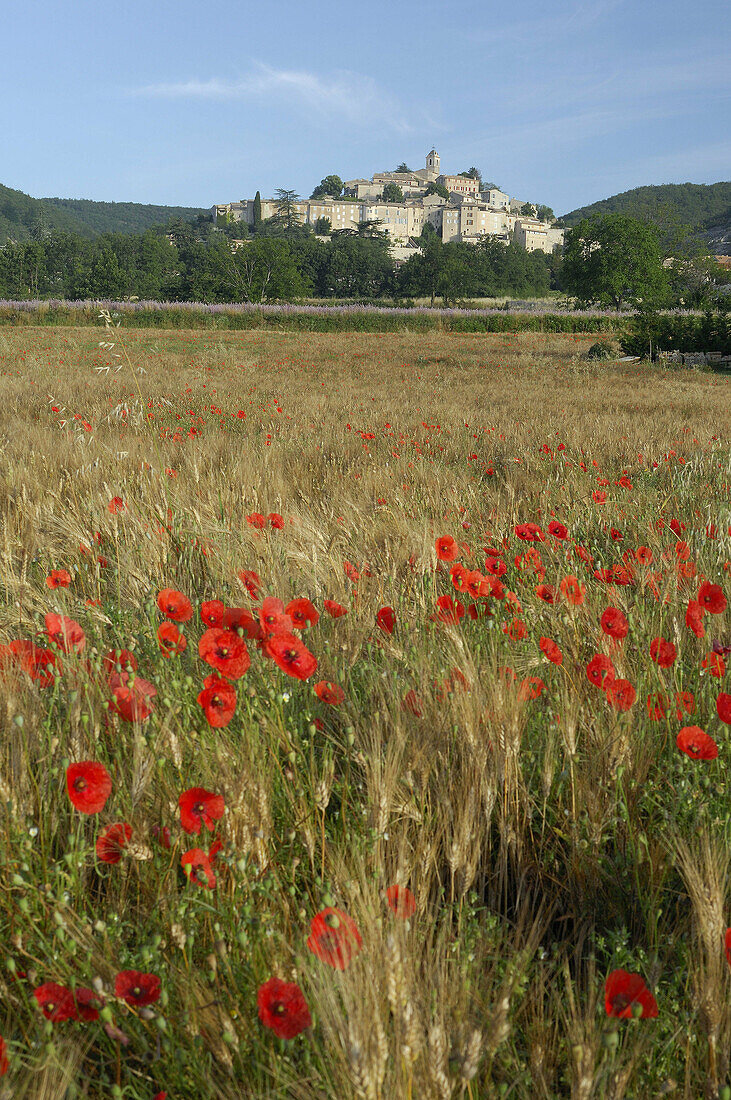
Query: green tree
x=287 y=218
x=545 y=213
x=392 y=193
x=614 y=260
x=474 y=174
x=403 y=167
x=323 y=227
x=330 y=185
x=438 y=189
x=257 y=212
x=528 y=210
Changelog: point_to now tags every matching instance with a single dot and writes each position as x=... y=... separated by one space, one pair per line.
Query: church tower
x=432 y=162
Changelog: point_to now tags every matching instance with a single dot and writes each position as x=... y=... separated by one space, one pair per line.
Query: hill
x=704 y=209
x=19 y=213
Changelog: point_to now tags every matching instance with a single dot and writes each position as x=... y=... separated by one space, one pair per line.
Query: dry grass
x=546 y=841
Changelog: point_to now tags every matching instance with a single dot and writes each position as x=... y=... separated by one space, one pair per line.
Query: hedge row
x=646 y=334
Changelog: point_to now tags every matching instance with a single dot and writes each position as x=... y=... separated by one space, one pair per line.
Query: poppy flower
x=329 y=692
x=386 y=619
x=448 y=610
x=65 y=633
x=170 y=640
x=197 y=866
x=334 y=938
x=4 y=1063
x=496 y=567
x=292 y=656
x=529 y=532
x=711 y=598
x=240 y=618
x=401 y=900
x=460 y=576
x=723 y=707
x=412 y=703
x=111 y=843
x=273 y=618
x=663 y=652
x=256 y=520
x=130 y=696
x=531 y=688
x=200 y=807
x=303 y=613
x=558 y=530
x=334 y=609
x=251 y=582
x=174 y=605
x=600 y=670
x=116 y=505
x=696 y=743
x=551 y=650
x=58 y=578
x=516 y=630
x=624 y=991
x=89 y=785
x=546 y=592
x=276 y=521
x=614 y=623
x=44 y=666
x=714 y=664
x=56 y=1002
x=657 y=707
x=694 y=618
x=87 y=1003
x=620 y=694
x=212 y=612
x=572 y=590
x=283 y=1008
x=224 y=651
x=137 y=988
x=446 y=548
x=685 y=703
x=727 y=945
x=219 y=703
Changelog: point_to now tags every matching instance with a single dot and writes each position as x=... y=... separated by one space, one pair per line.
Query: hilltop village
x=403 y=202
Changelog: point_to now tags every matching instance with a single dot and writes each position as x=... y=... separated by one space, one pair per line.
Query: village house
x=468 y=215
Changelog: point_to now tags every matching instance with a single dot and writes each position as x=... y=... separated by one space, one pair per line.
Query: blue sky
x=190 y=103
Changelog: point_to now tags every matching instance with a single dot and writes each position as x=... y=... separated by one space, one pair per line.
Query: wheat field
x=380 y=653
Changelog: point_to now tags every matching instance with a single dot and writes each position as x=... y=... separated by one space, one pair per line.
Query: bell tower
x=432 y=162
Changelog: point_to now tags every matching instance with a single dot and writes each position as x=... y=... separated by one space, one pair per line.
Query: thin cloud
x=346 y=95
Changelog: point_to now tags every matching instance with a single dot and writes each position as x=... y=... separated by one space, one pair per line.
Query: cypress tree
x=257 y=212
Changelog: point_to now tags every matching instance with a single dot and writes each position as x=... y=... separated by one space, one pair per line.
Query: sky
x=179 y=102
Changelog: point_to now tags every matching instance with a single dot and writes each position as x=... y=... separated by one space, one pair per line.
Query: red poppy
x=170 y=640
x=685 y=703
x=386 y=619
x=622 y=991
x=496 y=567
x=88 y=1004
x=251 y=582
x=219 y=703
x=694 y=618
x=4 y=1063
x=303 y=613
x=174 y=605
x=89 y=785
x=123 y=657
x=711 y=598
x=273 y=618
x=212 y=612
x=43 y=667
x=283 y=1008
x=529 y=532
x=460 y=576
x=620 y=694
x=723 y=707
x=116 y=505
x=111 y=843
x=572 y=590
x=643 y=555
x=714 y=664
x=200 y=807
x=657 y=707
x=448 y=610
x=137 y=988
x=546 y=592
x=197 y=866
x=401 y=900
x=614 y=623
x=65 y=632
x=551 y=650
x=276 y=521
x=224 y=651
x=412 y=703
x=58 y=578
x=292 y=656
x=329 y=692
x=600 y=670
x=334 y=938
x=130 y=696
x=663 y=652
x=257 y=520
x=696 y=743
x=56 y=1002
x=558 y=530
x=446 y=548
x=335 y=609
x=530 y=688
x=241 y=619
x=727 y=945
x=516 y=630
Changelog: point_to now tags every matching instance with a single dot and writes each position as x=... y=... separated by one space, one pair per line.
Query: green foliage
x=545 y=213
x=614 y=260
x=457 y=270
x=392 y=193
x=403 y=167
x=330 y=185
x=257 y=212
x=437 y=189
x=528 y=210
x=649 y=332
x=323 y=226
